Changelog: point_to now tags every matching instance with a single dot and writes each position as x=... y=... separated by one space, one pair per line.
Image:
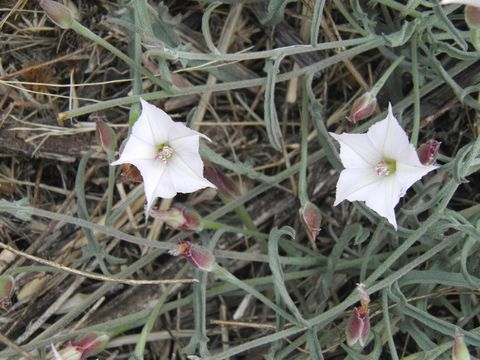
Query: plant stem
x=85 y=32
x=302 y=177
x=416 y=93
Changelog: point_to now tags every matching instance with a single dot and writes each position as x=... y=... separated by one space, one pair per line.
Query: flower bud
x=91 y=344
x=364 y=298
x=106 y=135
x=311 y=219
x=198 y=256
x=60 y=14
x=179 y=218
x=363 y=107
x=226 y=187
x=69 y=353
x=472 y=16
x=358 y=327
x=81 y=349
x=428 y=152
x=7 y=287
x=459 y=349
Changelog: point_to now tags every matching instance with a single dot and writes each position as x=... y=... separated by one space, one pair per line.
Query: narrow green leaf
x=232 y=279
x=316 y=19
x=271 y=119
x=140 y=346
x=164 y=27
x=276 y=268
x=323 y=137
x=400 y=37
x=388 y=326
x=93 y=248
x=437 y=324
x=463 y=263
x=275 y=10
x=350 y=232
x=314 y=348
x=206 y=28
x=450 y=28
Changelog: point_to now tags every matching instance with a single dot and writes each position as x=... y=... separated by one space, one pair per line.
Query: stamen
x=386 y=167
x=382 y=169
x=165 y=153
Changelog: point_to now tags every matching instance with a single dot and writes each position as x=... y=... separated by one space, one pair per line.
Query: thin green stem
x=232 y=85
x=250 y=226
x=174 y=54
x=110 y=189
x=381 y=82
x=135 y=49
x=140 y=346
x=416 y=92
x=232 y=279
x=423 y=228
x=302 y=178
x=85 y=32
x=388 y=325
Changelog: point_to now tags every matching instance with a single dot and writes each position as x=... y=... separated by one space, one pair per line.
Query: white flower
x=166 y=153
x=379 y=167
x=463 y=2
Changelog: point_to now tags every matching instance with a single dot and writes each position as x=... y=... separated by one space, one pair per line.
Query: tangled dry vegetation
x=47 y=73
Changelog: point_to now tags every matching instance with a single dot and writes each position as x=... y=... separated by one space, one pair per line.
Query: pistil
x=165 y=152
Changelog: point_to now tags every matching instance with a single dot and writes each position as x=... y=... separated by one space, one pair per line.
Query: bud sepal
x=363 y=107
x=60 y=14
x=198 y=256
x=182 y=219
x=428 y=152
x=311 y=219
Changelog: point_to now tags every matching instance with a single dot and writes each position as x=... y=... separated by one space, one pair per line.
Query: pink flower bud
x=91 y=344
x=472 y=16
x=359 y=325
x=311 y=219
x=198 y=256
x=106 y=135
x=179 y=218
x=428 y=152
x=7 y=287
x=69 y=353
x=459 y=349
x=60 y=14
x=358 y=328
x=363 y=107
x=226 y=187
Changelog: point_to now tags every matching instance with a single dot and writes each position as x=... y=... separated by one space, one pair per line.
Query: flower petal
x=184 y=178
x=357 y=151
x=187 y=149
x=356 y=184
x=407 y=175
x=180 y=130
x=384 y=197
x=136 y=149
x=388 y=137
x=156 y=180
x=153 y=125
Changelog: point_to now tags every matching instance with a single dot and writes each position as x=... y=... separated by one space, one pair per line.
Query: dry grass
x=45 y=71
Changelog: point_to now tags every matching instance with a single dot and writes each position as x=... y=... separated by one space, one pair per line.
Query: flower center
x=165 y=152
x=386 y=167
